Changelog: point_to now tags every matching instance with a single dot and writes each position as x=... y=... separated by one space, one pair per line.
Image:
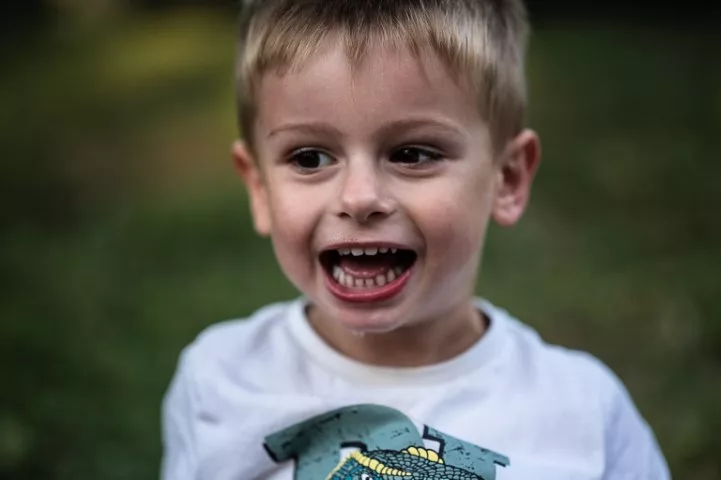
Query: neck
x=423 y=343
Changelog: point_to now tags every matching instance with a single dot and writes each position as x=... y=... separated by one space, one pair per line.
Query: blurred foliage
x=124 y=231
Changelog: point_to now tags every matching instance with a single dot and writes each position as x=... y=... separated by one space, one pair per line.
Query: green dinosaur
x=414 y=463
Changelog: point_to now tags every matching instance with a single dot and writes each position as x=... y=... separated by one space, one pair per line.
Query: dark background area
x=29 y=11
x=124 y=231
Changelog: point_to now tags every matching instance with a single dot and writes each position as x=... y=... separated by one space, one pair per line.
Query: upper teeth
x=356 y=251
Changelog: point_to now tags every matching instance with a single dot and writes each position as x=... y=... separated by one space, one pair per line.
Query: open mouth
x=367 y=267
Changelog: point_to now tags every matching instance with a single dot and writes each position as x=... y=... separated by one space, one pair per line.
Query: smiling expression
x=376 y=185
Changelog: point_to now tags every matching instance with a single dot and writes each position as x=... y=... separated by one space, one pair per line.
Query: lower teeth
x=379 y=280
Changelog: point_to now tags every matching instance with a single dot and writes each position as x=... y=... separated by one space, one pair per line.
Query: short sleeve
x=632 y=452
x=179 y=453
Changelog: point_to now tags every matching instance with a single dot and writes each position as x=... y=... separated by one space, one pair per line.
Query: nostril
x=365 y=202
x=364 y=217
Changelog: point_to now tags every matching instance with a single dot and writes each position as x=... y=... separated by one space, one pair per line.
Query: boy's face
x=390 y=155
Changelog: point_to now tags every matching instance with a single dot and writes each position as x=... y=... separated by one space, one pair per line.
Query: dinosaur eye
x=366 y=476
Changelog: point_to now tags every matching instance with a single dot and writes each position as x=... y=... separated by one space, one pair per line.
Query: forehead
x=389 y=84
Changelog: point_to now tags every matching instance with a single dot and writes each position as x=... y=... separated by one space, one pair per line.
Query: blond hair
x=483 y=40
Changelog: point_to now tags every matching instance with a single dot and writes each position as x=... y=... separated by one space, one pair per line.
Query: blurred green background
x=124 y=232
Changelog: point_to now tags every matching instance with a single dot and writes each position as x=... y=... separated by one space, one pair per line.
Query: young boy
x=381 y=137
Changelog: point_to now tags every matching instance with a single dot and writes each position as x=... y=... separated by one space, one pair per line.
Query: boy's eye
x=414 y=156
x=309 y=159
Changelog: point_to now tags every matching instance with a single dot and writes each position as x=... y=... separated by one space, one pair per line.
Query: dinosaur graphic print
x=413 y=462
x=386 y=445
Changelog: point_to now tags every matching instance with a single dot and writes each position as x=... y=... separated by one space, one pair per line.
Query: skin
x=403 y=156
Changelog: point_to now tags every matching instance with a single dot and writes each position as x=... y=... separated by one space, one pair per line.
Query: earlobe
x=516 y=173
x=247 y=168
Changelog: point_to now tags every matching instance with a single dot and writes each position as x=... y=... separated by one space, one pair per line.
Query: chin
x=366 y=320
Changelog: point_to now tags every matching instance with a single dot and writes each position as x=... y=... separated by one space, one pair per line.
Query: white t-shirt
x=267 y=398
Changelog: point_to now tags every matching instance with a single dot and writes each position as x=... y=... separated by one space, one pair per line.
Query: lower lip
x=368 y=295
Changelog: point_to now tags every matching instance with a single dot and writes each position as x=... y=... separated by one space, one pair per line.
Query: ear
x=517 y=170
x=247 y=168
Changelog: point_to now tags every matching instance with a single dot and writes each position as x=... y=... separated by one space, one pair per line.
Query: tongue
x=366 y=266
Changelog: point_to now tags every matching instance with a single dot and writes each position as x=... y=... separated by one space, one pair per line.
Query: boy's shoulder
x=561 y=368
x=226 y=350
x=236 y=333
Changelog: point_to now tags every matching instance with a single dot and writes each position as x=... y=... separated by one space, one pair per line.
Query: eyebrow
x=318 y=128
x=405 y=124
x=393 y=127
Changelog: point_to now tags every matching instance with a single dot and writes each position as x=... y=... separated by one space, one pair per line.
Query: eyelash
x=295 y=157
x=433 y=155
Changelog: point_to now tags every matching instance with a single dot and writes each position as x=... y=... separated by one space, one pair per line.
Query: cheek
x=454 y=222
x=292 y=211
x=293 y=224
x=454 y=232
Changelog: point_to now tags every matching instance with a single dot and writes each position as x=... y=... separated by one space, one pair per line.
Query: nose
x=363 y=196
